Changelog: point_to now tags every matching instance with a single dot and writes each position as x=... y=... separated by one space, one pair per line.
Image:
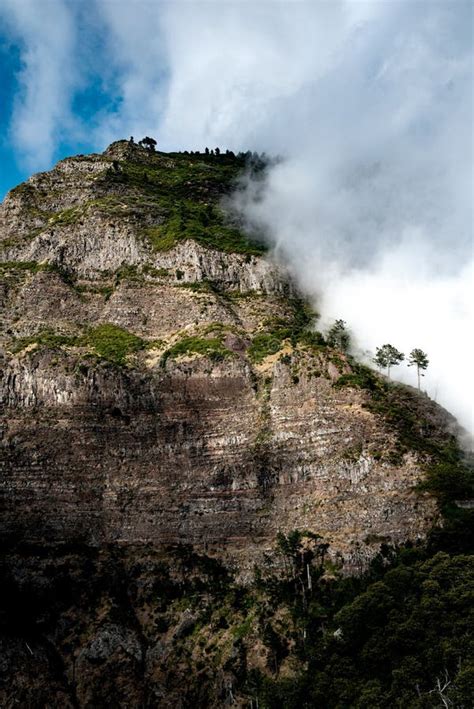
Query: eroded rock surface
x=217 y=449
x=165 y=395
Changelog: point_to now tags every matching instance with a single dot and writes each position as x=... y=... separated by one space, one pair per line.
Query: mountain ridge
x=176 y=427
x=185 y=310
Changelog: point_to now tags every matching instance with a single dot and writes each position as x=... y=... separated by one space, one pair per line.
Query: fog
x=369 y=104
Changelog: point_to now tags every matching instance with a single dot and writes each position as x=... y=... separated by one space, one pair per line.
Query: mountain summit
x=166 y=378
x=171 y=412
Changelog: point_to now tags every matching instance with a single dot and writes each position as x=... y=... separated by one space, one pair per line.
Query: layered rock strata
x=194 y=435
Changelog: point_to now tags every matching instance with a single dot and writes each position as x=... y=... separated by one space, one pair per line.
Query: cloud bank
x=370 y=104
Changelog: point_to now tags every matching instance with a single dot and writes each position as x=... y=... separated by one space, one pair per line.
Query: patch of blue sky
x=10 y=63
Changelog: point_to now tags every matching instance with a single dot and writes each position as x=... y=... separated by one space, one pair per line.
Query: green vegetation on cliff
x=205 y=224
x=296 y=329
x=44 y=338
x=165 y=197
x=121 y=625
x=113 y=343
x=108 y=341
x=210 y=347
x=186 y=191
x=413 y=418
x=399 y=635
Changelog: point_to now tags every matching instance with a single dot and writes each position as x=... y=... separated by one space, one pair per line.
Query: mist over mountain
x=369 y=104
x=203 y=498
x=207 y=498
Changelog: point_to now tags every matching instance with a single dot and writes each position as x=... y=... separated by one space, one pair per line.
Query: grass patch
x=263 y=345
x=45 y=338
x=296 y=329
x=361 y=377
x=178 y=175
x=113 y=342
x=207 y=347
x=109 y=341
x=31 y=266
x=160 y=238
x=203 y=223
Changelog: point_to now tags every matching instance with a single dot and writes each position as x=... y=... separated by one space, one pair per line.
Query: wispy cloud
x=370 y=103
x=46 y=34
x=372 y=206
x=135 y=52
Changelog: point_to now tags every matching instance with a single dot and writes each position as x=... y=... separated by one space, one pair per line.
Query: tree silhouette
x=420 y=360
x=148 y=143
x=388 y=356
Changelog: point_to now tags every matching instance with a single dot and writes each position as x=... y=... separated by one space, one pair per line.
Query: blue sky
x=24 y=59
x=75 y=75
x=10 y=173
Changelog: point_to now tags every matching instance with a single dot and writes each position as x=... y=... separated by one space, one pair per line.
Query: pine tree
x=388 y=356
x=418 y=359
x=148 y=143
x=338 y=336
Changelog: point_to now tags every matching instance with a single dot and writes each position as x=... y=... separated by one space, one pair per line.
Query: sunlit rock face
x=168 y=407
x=197 y=453
x=158 y=383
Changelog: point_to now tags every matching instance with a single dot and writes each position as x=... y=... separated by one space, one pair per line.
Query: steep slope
x=169 y=408
x=162 y=381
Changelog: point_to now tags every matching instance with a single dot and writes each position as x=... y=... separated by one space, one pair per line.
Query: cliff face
x=199 y=454
x=217 y=422
x=168 y=407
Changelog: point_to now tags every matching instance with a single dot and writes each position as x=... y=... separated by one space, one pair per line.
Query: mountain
x=185 y=460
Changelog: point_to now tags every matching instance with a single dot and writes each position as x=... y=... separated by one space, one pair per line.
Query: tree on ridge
x=418 y=359
x=388 y=356
x=148 y=143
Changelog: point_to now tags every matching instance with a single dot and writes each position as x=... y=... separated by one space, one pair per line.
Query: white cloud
x=46 y=33
x=373 y=205
x=135 y=53
x=400 y=300
x=370 y=102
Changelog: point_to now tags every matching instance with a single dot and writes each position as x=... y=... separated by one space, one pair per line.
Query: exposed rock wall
x=198 y=453
x=217 y=452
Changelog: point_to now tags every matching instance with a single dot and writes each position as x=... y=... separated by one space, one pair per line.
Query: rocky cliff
x=163 y=387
